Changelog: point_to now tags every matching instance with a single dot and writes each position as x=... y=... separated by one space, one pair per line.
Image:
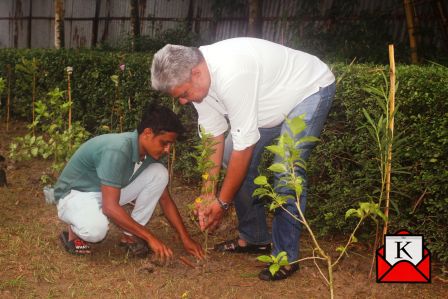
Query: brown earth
x=33 y=263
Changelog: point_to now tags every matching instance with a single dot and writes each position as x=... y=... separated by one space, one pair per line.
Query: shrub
x=342 y=168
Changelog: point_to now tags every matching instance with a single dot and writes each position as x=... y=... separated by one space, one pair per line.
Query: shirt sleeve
x=113 y=168
x=240 y=96
x=210 y=119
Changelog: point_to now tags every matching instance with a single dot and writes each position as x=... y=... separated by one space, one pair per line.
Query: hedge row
x=343 y=169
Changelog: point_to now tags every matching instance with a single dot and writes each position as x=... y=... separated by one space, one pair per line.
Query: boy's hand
x=161 y=251
x=193 y=248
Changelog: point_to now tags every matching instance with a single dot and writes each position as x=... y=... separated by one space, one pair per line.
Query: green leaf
x=259 y=192
x=261 y=180
x=297 y=124
x=278 y=167
x=34 y=151
x=350 y=212
x=276 y=149
x=340 y=249
x=265 y=259
x=307 y=139
x=274 y=268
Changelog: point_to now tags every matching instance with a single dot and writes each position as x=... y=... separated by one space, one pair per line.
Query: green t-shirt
x=103 y=160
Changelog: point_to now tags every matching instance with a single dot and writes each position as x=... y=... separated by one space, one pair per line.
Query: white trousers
x=83 y=210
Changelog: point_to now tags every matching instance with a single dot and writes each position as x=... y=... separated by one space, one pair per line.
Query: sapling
x=383 y=138
x=54 y=140
x=287 y=149
x=204 y=165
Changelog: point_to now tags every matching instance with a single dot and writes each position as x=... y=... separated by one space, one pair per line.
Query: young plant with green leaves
x=381 y=131
x=288 y=150
x=55 y=140
x=204 y=150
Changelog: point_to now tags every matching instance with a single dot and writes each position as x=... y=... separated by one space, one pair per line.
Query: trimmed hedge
x=343 y=170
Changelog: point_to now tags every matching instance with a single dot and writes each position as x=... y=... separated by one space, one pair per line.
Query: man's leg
x=146 y=190
x=286 y=229
x=82 y=212
x=251 y=211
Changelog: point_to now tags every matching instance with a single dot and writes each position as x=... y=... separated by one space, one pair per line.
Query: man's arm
x=172 y=214
x=117 y=214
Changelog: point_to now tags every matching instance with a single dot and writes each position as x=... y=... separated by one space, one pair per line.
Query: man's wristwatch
x=224 y=205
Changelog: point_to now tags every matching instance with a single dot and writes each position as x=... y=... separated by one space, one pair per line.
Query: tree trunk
x=408 y=8
x=94 y=39
x=30 y=21
x=190 y=15
x=58 y=24
x=254 y=21
x=441 y=10
x=135 y=22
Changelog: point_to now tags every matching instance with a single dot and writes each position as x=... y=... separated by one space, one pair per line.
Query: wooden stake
x=391 y=132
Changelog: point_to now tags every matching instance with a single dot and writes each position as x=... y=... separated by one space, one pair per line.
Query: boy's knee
x=93 y=231
x=159 y=172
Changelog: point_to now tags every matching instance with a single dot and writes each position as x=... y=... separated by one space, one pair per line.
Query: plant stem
x=349 y=241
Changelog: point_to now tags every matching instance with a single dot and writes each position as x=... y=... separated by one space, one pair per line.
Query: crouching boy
x=111 y=170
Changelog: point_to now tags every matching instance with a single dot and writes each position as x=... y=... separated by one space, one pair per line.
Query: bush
x=342 y=168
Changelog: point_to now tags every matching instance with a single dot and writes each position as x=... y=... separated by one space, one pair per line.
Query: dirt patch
x=34 y=264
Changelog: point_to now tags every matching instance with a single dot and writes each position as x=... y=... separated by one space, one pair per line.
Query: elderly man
x=252 y=84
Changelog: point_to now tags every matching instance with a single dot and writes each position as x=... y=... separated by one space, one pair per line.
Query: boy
x=111 y=170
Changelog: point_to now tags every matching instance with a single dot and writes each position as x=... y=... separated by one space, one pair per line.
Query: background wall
x=29 y=23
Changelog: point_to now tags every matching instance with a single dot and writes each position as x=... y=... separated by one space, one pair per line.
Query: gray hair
x=172 y=65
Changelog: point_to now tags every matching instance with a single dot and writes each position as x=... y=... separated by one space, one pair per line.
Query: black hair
x=160 y=120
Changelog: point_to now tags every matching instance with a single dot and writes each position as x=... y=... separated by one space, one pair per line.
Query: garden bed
x=34 y=264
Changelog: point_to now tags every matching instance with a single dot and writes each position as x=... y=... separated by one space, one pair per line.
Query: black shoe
x=234 y=247
x=282 y=273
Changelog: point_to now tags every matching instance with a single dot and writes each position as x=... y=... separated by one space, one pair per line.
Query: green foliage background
x=343 y=170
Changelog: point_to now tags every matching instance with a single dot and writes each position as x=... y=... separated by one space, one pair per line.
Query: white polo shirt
x=255 y=84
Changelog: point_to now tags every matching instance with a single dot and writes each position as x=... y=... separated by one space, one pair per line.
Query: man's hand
x=212 y=216
x=193 y=248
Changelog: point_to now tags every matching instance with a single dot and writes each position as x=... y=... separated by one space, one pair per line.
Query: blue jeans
x=251 y=211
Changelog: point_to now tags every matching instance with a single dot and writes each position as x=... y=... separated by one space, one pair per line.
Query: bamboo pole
x=409 y=11
x=391 y=133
